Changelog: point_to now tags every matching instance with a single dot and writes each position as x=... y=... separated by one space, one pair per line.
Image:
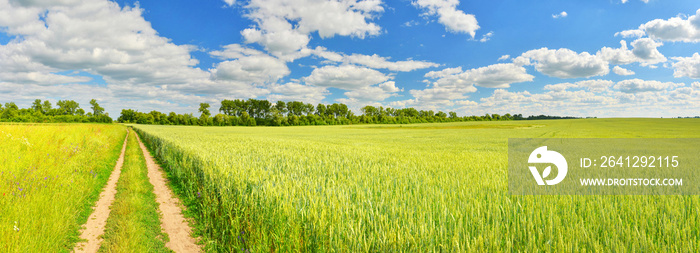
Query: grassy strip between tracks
x=133 y=224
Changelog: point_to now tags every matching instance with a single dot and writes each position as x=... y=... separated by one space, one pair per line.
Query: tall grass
x=427 y=187
x=50 y=176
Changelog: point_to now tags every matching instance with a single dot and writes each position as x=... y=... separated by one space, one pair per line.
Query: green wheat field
x=358 y=188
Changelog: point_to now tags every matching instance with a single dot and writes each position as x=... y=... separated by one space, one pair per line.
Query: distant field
x=421 y=187
x=50 y=175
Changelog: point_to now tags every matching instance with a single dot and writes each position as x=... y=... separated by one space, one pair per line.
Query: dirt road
x=95 y=226
x=172 y=221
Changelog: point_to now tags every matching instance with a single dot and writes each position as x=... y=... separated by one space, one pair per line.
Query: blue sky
x=472 y=57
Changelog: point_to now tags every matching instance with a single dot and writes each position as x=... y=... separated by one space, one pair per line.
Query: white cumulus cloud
x=98 y=37
x=234 y=51
x=297 y=92
x=374 y=61
x=256 y=69
x=374 y=93
x=564 y=63
x=631 y=33
x=639 y=85
x=437 y=97
x=454 y=20
x=452 y=84
x=493 y=76
x=622 y=71
x=645 y=51
x=348 y=77
x=596 y=85
x=634 y=97
x=687 y=66
x=672 y=29
x=60 y=45
x=275 y=32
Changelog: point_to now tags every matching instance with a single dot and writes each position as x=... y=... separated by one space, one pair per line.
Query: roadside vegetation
x=133 y=224
x=50 y=176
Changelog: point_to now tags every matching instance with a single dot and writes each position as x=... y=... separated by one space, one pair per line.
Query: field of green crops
x=422 y=187
x=50 y=176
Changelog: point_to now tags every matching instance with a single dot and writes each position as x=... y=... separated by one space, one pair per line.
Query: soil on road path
x=172 y=220
x=95 y=225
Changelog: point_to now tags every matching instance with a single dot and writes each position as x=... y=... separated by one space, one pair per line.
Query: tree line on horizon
x=255 y=112
x=251 y=112
x=67 y=111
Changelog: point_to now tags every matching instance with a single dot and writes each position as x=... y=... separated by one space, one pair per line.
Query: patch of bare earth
x=95 y=225
x=172 y=221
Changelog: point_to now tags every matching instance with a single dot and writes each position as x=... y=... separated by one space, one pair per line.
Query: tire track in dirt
x=172 y=220
x=95 y=225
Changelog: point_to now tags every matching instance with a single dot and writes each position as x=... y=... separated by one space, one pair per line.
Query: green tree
x=259 y=109
x=309 y=110
x=334 y=110
x=240 y=106
x=37 y=106
x=172 y=118
x=144 y=118
x=412 y=112
x=370 y=111
x=11 y=106
x=68 y=107
x=390 y=111
x=232 y=107
x=246 y=120
x=281 y=107
x=220 y=120
x=127 y=116
x=11 y=111
x=343 y=110
x=204 y=109
x=226 y=107
x=96 y=108
x=46 y=107
x=204 y=117
x=321 y=110
x=159 y=118
x=296 y=108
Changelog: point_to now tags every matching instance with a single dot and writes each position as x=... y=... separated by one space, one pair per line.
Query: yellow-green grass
x=417 y=188
x=50 y=176
x=133 y=224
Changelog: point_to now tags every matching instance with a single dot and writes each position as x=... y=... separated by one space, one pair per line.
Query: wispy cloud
x=562 y=14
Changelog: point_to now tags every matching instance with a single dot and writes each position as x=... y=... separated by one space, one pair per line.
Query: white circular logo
x=542 y=155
